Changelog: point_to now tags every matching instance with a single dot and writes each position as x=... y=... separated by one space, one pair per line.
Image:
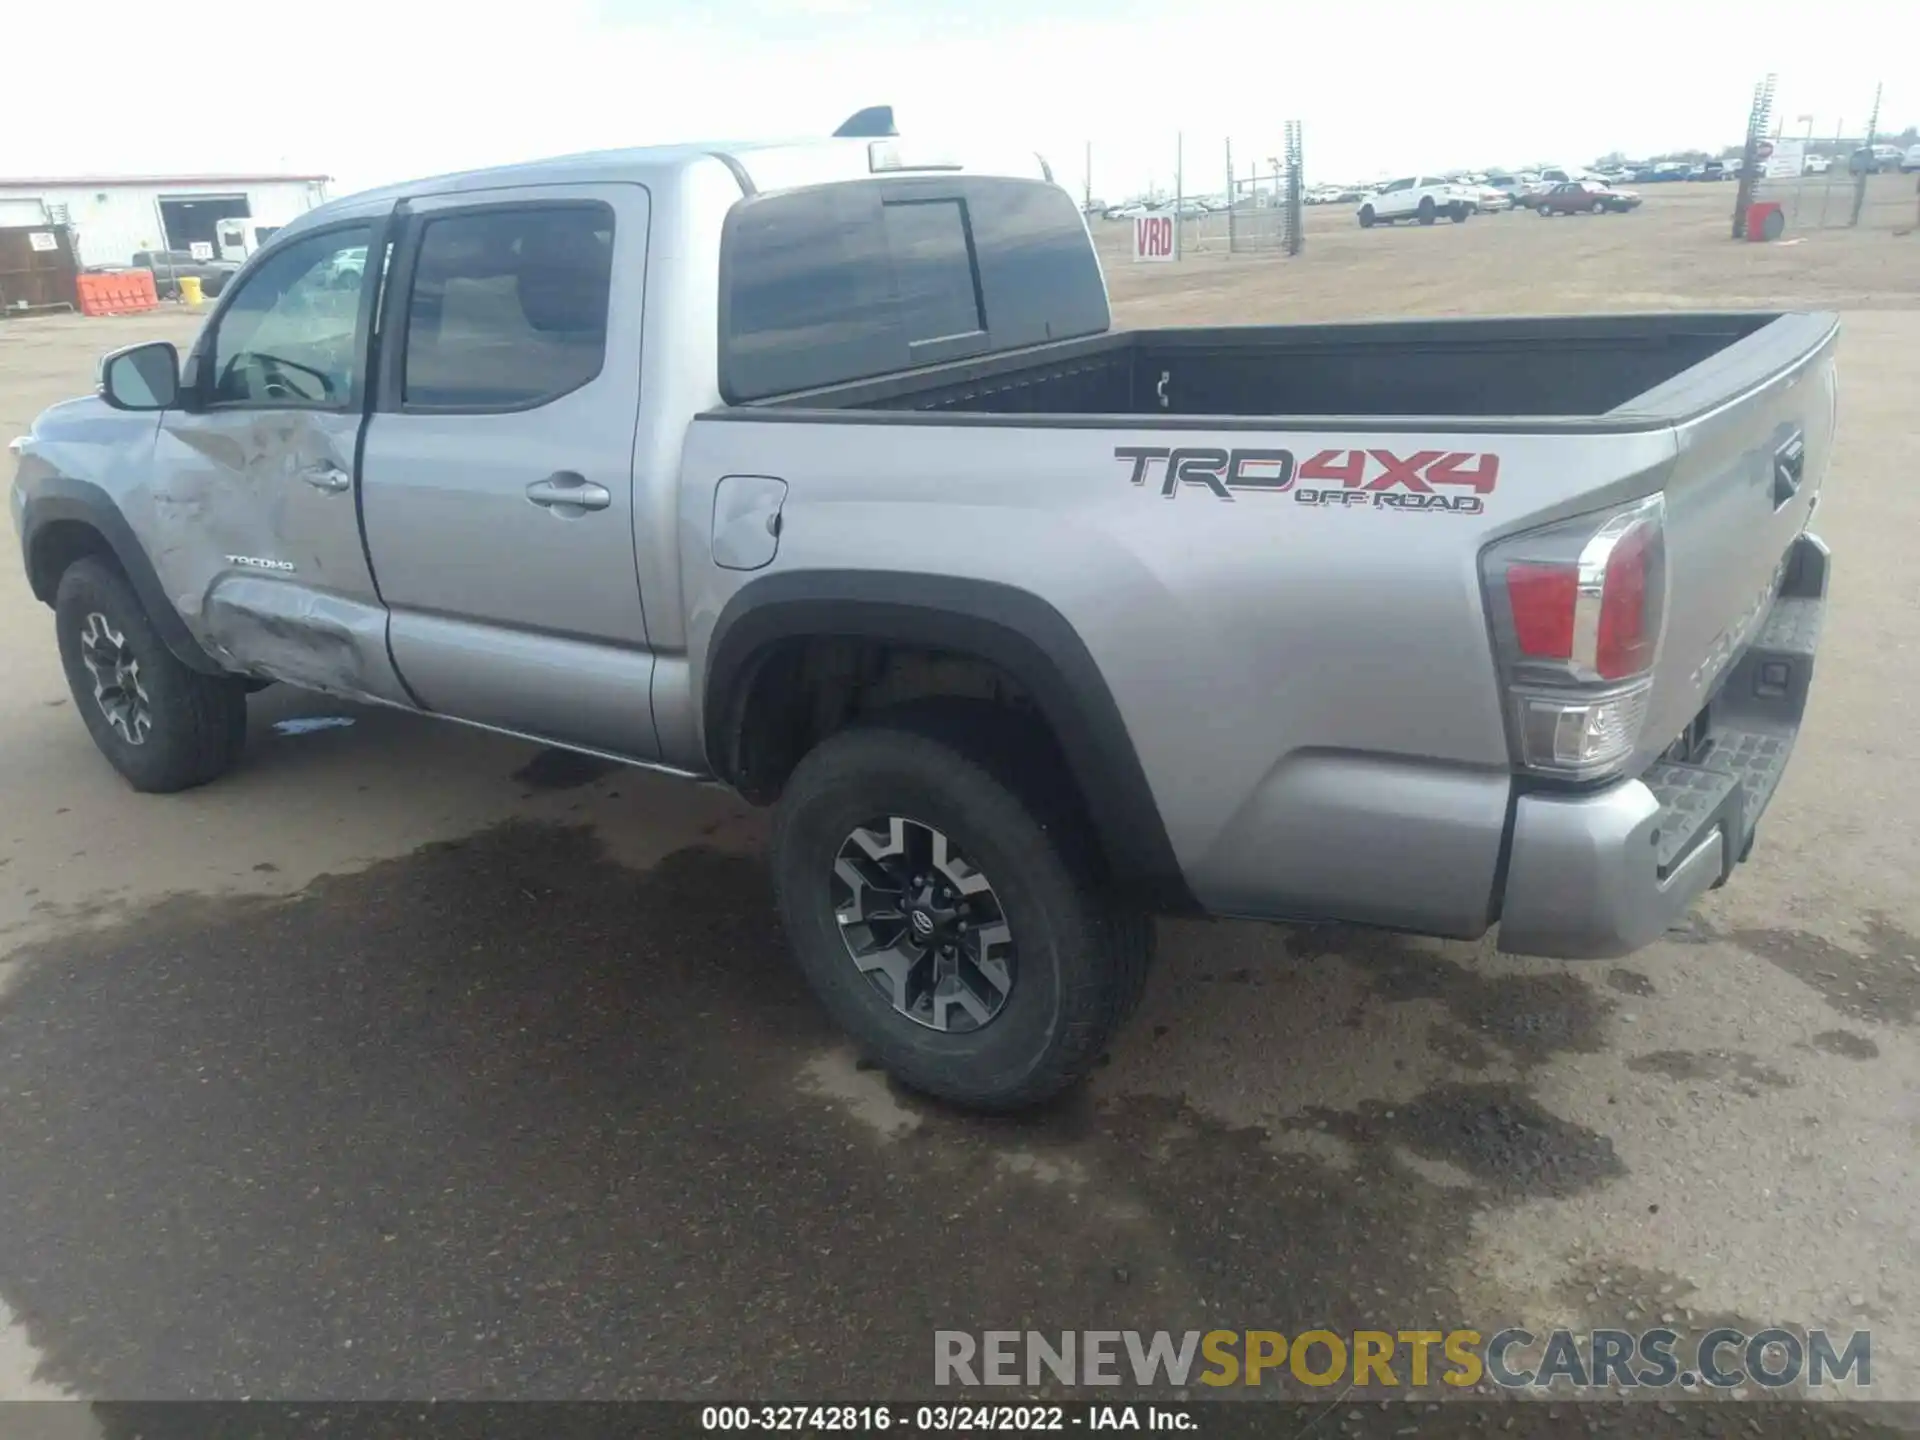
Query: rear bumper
x=1605 y=872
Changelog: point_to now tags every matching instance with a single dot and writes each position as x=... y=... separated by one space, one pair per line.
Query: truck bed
x=1512 y=370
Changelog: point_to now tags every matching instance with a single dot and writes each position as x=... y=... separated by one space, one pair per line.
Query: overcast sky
x=375 y=90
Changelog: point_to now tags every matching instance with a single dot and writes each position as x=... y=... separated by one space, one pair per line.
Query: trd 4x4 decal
x=1381 y=480
x=1447 y=480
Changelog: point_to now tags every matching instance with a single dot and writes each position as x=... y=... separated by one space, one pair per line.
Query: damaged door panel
x=253 y=498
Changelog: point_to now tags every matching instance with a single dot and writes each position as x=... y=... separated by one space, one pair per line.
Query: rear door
x=498 y=491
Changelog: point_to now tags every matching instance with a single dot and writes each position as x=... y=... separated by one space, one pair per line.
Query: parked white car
x=1911 y=160
x=1418 y=197
x=1817 y=165
x=1490 y=198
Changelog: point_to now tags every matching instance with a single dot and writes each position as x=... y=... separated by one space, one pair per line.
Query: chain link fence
x=1260 y=208
x=1838 y=176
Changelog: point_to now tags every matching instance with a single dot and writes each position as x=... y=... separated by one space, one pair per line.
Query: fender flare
x=1007 y=627
x=57 y=498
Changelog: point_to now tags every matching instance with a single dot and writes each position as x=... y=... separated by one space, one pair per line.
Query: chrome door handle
x=567 y=491
x=328 y=477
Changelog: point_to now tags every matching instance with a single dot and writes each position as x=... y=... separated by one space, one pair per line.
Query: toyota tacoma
x=820 y=470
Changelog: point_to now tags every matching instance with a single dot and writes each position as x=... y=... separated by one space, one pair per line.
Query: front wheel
x=162 y=725
x=950 y=916
x=1427 y=210
x=1367 y=217
x=1598 y=206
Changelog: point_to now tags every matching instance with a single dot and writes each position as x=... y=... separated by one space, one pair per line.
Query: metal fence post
x=1868 y=168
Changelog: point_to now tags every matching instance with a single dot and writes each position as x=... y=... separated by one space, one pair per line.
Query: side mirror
x=141 y=377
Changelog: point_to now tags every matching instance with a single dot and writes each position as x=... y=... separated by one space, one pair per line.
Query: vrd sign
x=1154 y=238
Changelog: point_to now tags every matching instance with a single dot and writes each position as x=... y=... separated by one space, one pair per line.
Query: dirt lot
x=398 y=1063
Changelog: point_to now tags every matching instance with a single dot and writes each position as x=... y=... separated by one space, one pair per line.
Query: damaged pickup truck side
x=819 y=470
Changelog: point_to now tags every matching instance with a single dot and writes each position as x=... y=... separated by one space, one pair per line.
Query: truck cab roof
x=758 y=167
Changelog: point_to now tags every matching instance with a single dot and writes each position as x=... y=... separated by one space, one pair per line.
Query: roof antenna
x=871 y=123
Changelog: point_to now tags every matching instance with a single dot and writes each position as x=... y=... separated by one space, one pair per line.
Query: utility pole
x=1179 y=172
x=1233 y=215
x=1868 y=167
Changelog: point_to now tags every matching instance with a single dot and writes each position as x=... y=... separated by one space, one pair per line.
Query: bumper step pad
x=1752 y=724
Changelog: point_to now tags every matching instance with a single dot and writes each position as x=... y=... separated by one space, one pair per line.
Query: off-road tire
x=1080 y=955
x=198 y=722
x=1428 y=210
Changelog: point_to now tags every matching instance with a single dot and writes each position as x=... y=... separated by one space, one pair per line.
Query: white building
x=113 y=216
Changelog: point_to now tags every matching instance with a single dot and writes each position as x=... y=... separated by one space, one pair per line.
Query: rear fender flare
x=1002 y=625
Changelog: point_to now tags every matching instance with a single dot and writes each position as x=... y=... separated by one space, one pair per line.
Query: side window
x=1398 y=185
x=508 y=307
x=288 y=337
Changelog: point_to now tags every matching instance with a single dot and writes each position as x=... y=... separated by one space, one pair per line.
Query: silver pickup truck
x=819 y=470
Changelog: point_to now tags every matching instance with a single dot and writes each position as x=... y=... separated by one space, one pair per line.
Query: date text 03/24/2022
x=939 y=1419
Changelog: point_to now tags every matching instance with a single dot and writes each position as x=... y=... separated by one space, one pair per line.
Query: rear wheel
x=1428 y=210
x=950 y=914
x=161 y=724
x=1367 y=217
x=1458 y=214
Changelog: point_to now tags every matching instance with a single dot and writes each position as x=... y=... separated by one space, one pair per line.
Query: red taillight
x=1542 y=597
x=1618 y=640
x=1624 y=643
x=1577 y=609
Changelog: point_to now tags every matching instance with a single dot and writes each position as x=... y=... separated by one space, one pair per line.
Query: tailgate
x=1754 y=429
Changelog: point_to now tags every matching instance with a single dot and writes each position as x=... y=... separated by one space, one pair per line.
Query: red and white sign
x=1784 y=159
x=1155 y=237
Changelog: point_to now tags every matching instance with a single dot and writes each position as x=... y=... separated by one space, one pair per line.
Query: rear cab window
x=857 y=279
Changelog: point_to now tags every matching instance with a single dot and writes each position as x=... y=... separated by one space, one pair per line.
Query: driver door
x=256 y=476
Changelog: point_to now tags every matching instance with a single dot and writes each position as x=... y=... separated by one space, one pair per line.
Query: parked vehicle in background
x=1325 y=195
x=1709 y=170
x=1585 y=196
x=1545 y=181
x=170 y=266
x=1911 y=160
x=1665 y=171
x=1818 y=164
x=1559 y=633
x=237 y=237
x=1490 y=199
x=1877 y=159
x=1417 y=197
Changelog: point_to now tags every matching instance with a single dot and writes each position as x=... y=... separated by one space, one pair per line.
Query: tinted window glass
x=853 y=280
x=508 y=307
x=288 y=336
x=932 y=268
